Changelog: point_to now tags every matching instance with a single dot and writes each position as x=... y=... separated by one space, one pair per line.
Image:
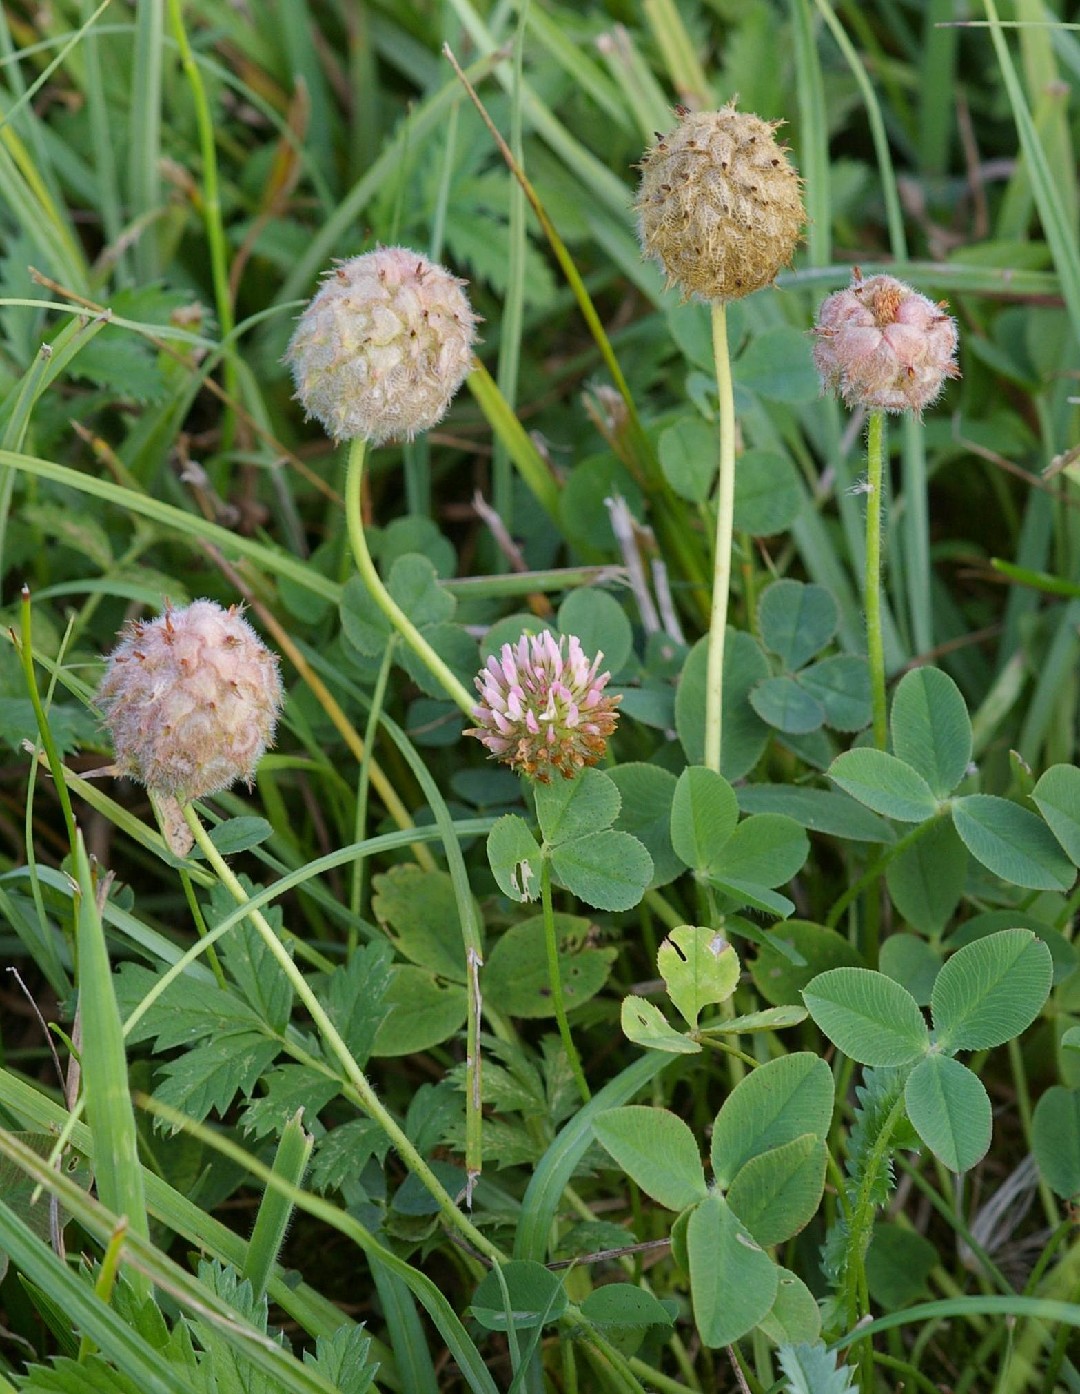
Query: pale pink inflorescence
x=719 y=207
x=191 y=699
x=383 y=347
x=543 y=706
x=885 y=346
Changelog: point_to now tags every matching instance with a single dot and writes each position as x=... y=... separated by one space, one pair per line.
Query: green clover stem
x=555 y=978
x=454 y=689
x=336 y=1045
x=725 y=508
x=875 y=643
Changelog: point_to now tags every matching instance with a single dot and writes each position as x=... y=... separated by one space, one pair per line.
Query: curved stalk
x=454 y=689
x=337 y=1047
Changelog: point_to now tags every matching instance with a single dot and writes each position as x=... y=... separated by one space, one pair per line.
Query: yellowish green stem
x=331 y=1036
x=454 y=689
x=725 y=508
x=875 y=642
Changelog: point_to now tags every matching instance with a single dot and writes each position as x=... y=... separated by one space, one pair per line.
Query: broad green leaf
x=909 y=960
x=699 y=968
x=704 y=812
x=733 y=1283
x=239 y=834
x=607 y=870
x=209 y=1077
x=869 y=1017
x=186 y=1011
x=1055 y=1140
x=516 y=976
x=536 y=1297
x=418 y=535
x=420 y=911
x=248 y=960
x=768 y=493
x=817 y=810
x=786 y=705
x=454 y=645
x=744 y=734
x=657 y=1150
x=842 y=685
x=600 y=622
x=931 y=729
x=991 y=990
x=646 y=1025
x=754 y=895
x=1057 y=797
x=768 y=1019
x=795 y=1318
x=1062 y=951
x=775 y=1104
x=288 y=1088
x=949 y=1109
x=688 y=451
x=354 y=996
x=647 y=792
x=570 y=808
x=781 y=981
x=927 y=879
x=421 y=1012
x=364 y=625
x=509 y=630
x=624 y=1312
x=344 y=1358
x=777 y=1193
x=95 y=1375
x=765 y=848
x=514 y=857
x=796 y=621
x=414 y=584
x=777 y=364
x=1012 y=843
x=898 y=1263
x=885 y=784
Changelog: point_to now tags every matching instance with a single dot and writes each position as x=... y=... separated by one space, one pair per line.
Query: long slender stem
x=391 y=609
x=875 y=643
x=338 y=1048
x=555 y=978
x=725 y=507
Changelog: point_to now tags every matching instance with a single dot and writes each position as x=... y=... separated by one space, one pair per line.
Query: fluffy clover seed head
x=191 y=699
x=383 y=347
x=719 y=206
x=543 y=706
x=883 y=345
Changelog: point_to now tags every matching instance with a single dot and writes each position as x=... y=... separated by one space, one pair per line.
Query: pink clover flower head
x=883 y=345
x=191 y=700
x=543 y=706
x=383 y=347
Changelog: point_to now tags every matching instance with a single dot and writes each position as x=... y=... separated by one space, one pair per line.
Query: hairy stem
x=875 y=643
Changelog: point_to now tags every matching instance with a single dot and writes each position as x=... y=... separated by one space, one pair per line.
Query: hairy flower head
x=191 y=699
x=719 y=207
x=383 y=347
x=543 y=706
x=883 y=345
